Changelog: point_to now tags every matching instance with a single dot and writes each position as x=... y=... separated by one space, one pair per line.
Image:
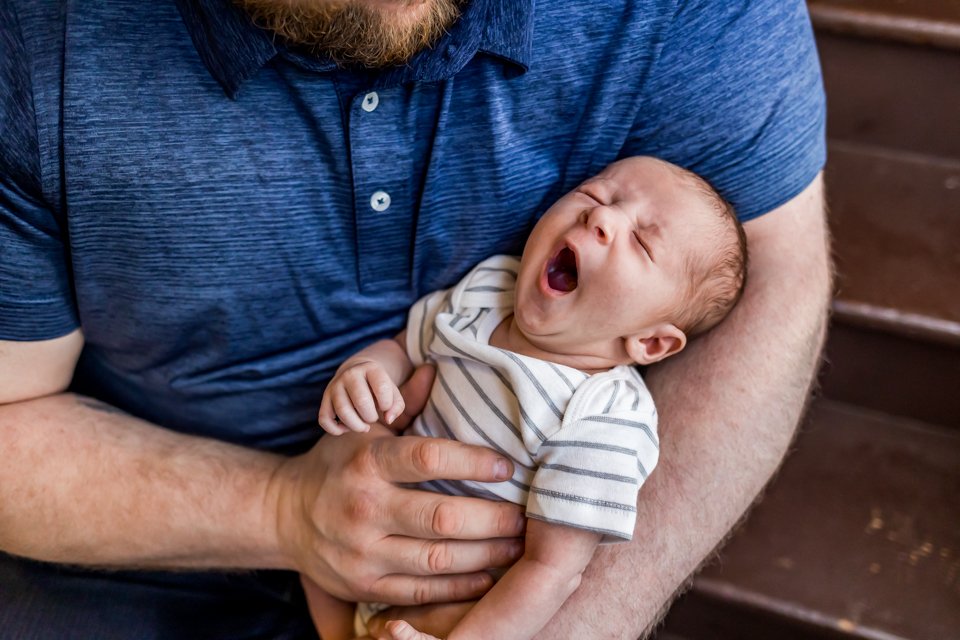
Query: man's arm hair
x=729 y=406
x=83 y=482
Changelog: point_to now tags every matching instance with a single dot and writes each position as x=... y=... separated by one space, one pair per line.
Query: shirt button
x=370 y=101
x=380 y=201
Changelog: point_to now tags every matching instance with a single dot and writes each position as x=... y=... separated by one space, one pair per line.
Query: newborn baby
x=535 y=358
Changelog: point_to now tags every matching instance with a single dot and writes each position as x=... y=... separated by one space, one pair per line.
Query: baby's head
x=629 y=265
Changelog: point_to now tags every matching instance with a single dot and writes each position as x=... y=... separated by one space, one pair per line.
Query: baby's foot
x=400 y=630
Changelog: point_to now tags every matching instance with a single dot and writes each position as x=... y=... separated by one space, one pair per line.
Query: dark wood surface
x=895 y=219
x=892 y=95
x=927 y=22
x=858 y=535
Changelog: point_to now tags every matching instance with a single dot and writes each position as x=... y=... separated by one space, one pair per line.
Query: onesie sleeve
x=36 y=299
x=736 y=96
x=420 y=324
x=590 y=470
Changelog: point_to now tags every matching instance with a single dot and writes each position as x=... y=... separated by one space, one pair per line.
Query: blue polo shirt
x=227 y=219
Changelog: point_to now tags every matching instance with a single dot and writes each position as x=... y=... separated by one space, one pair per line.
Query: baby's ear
x=655 y=343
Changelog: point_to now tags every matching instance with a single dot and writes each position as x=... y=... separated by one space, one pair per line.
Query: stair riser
x=892 y=374
x=891 y=94
x=698 y=616
x=895 y=219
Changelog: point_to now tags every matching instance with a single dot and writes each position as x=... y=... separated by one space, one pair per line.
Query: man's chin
x=367 y=33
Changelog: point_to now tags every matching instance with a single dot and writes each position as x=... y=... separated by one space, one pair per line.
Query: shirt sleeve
x=590 y=470
x=736 y=96
x=36 y=299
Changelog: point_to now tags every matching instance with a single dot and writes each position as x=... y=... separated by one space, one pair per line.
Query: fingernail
x=516 y=549
x=501 y=469
x=484 y=581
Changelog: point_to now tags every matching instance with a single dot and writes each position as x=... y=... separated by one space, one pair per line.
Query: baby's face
x=609 y=260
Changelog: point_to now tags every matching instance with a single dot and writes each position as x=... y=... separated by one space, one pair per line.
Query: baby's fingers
x=361 y=398
x=389 y=400
x=400 y=630
x=327 y=417
x=346 y=412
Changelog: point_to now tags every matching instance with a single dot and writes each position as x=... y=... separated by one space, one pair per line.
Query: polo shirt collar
x=233 y=49
x=508 y=33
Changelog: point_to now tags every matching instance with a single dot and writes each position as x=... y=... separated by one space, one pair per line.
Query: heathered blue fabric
x=197 y=198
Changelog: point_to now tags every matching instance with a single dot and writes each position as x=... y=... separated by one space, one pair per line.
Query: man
x=219 y=211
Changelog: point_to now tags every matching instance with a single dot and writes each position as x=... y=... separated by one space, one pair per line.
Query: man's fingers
x=418 y=459
x=429 y=557
x=427 y=515
x=411 y=590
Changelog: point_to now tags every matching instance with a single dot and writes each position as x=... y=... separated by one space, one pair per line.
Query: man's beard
x=356 y=32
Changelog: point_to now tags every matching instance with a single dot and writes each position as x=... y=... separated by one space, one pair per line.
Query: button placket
x=380 y=139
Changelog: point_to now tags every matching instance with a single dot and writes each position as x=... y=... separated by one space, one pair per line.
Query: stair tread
x=894 y=374
x=858 y=534
x=895 y=219
x=933 y=22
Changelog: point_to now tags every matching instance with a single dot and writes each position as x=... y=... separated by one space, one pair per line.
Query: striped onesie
x=581 y=444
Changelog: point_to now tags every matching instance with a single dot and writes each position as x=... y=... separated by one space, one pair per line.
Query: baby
x=535 y=359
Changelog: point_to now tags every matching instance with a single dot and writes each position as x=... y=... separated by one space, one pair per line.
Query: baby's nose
x=603 y=223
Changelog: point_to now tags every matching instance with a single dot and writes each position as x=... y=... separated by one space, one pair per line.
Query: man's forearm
x=728 y=409
x=84 y=483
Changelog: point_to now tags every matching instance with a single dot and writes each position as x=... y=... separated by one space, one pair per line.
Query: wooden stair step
x=930 y=22
x=858 y=537
x=892 y=94
x=893 y=374
x=895 y=219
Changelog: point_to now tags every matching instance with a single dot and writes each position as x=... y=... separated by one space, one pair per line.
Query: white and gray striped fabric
x=582 y=444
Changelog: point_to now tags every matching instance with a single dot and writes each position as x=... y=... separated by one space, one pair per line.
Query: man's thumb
x=415 y=392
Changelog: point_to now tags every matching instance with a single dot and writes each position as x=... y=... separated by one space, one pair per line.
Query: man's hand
x=344 y=522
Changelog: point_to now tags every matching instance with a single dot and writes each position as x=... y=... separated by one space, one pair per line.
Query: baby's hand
x=360 y=393
x=400 y=630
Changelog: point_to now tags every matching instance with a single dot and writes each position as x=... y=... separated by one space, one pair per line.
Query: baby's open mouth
x=562 y=271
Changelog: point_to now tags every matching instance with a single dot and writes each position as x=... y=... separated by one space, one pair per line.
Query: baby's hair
x=716 y=280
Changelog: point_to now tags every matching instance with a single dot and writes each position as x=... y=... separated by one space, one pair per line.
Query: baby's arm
x=365 y=388
x=530 y=593
x=333 y=618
